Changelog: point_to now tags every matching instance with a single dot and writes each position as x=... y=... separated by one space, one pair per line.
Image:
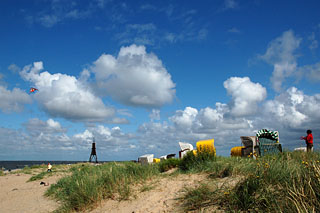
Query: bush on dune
x=195 y=161
x=166 y=165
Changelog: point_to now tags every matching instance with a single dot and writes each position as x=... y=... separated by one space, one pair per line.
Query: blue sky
x=140 y=76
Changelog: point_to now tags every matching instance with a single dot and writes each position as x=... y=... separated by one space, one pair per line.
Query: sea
x=11 y=165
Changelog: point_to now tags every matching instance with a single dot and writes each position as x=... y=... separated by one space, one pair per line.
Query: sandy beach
x=159 y=195
x=18 y=195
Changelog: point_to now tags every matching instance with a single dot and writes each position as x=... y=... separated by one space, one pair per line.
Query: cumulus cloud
x=280 y=54
x=37 y=126
x=245 y=95
x=293 y=109
x=183 y=119
x=61 y=95
x=13 y=100
x=48 y=139
x=191 y=125
x=291 y=113
x=134 y=77
x=284 y=108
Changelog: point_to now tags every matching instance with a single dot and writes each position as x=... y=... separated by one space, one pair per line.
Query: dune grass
x=287 y=182
x=90 y=184
x=168 y=164
x=40 y=171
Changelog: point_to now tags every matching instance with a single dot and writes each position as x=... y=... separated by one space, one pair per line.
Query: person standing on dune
x=309 y=140
x=49 y=167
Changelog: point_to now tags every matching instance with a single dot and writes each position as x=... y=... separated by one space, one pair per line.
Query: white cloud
x=155 y=114
x=135 y=78
x=291 y=113
x=280 y=54
x=64 y=96
x=36 y=126
x=284 y=108
x=13 y=100
x=245 y=95
x=183 y=119
x=107 y=139
x=209 y=117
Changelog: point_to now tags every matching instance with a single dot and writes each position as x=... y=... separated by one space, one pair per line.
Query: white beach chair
x=146 y=159
x=185 y=147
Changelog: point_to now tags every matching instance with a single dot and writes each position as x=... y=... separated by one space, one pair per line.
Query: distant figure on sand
x=309 y=140
x=49 y=167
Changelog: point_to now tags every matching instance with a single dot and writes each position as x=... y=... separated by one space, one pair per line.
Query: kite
x=32 y=90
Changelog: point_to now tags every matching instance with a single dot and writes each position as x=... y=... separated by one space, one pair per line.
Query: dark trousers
x=309 y=147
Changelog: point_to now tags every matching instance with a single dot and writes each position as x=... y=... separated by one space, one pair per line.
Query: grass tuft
x=166 y=165
x=89 y=184
x=39 y=176
x=197 y=161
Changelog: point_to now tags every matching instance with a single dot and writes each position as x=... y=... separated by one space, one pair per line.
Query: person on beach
x=49 y=167
x=309 y=140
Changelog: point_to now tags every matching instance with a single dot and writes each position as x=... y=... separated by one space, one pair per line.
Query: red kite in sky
x=32 y=90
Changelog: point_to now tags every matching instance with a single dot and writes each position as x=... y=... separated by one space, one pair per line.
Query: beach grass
x=286 y=182
x=194 y=162
x=89 y=184
x=166 y=165
x=39 y=172
x=40 y=176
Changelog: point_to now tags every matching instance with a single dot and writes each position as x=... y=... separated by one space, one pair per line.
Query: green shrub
x=191 y=161
x=39 y=176
x=168 y=164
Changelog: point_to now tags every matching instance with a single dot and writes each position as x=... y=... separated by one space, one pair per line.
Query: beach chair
x=146 y=159
x=185 y=147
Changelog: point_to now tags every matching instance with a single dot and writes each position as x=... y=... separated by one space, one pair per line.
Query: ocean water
x=10 y=165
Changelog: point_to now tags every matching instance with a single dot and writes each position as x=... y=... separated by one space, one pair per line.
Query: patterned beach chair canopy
x=268 y=142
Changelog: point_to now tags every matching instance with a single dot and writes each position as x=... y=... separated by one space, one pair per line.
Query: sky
x=140 y=76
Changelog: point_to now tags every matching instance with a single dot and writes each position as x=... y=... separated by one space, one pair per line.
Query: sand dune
x=157 y=195
x=18 y=195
